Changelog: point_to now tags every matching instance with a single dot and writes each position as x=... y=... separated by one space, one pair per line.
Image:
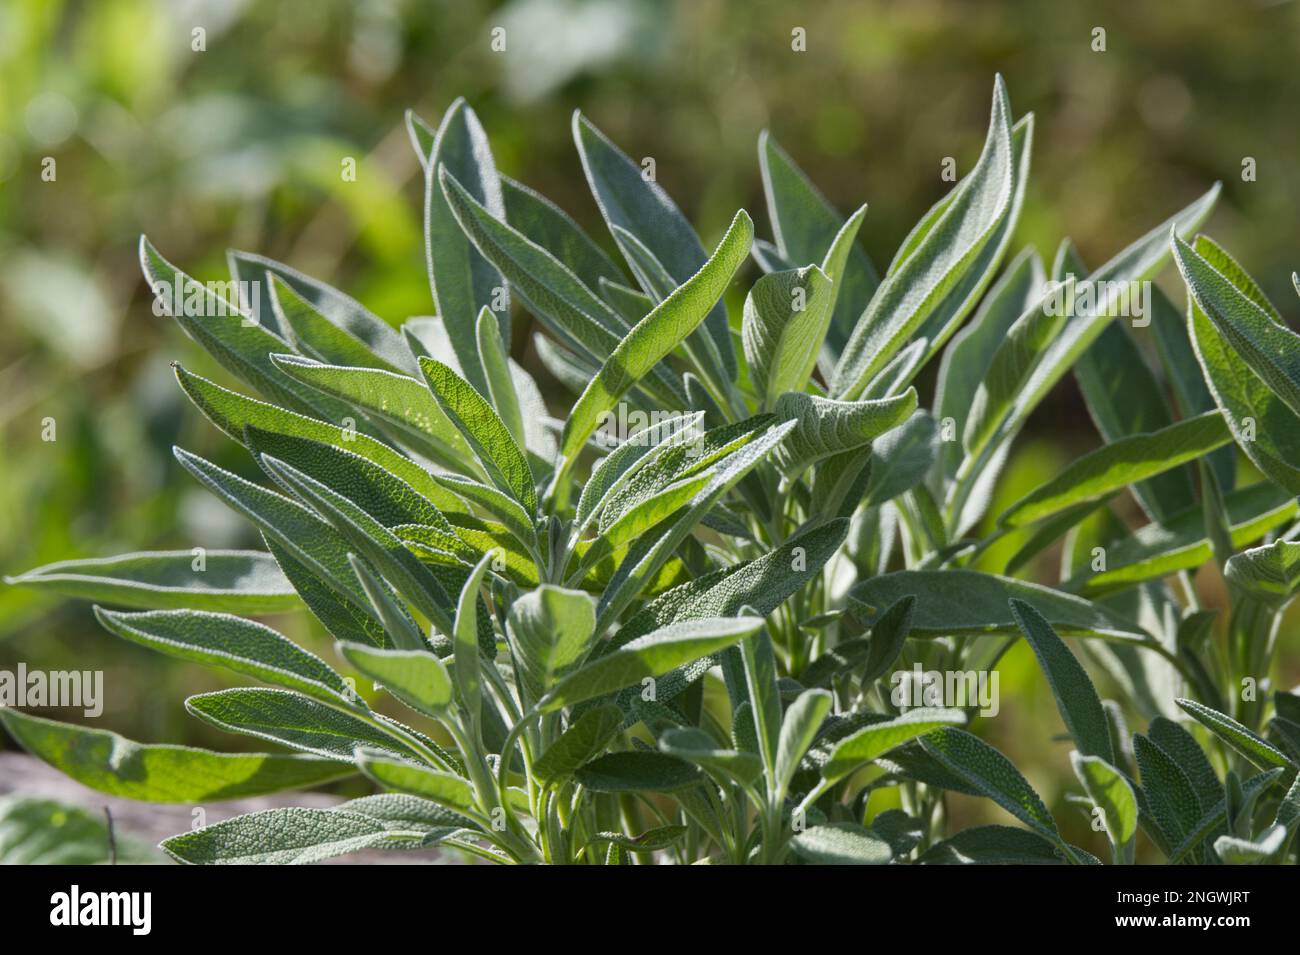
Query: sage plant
x=718 y=605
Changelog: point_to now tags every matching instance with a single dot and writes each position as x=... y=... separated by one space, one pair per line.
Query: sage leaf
x=648 y=657
x=223 y=640
x=657 y=334
x=462 y=280
x=1076 y=697
x=160 y=772
x=969 y=603
x=841 y=843
x=234 y=581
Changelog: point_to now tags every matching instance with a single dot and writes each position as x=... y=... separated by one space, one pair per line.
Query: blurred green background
x=240 y=145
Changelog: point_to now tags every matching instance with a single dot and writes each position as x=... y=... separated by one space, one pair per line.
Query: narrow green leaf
x=799 y=726
x=1076 y=697
x=377 y=491
x=622 y=464
x=652 y=840
x=993 y=845
x=222 y=640
x=550 y=631
x=841 y=843
x=1125 y=400
x=901 y=458
x=570 y=310
x=237 y=581
x=1270 y=573
x=1254 y=747
x=637 y=772
x=584 y=740
x=160 y=772
x=549 y=226
x=763 y=583
x=948 y=315
x=416 y=677
x=1169 y=794
x=649 y=656
x=807 y=229
x=1029 y=364
x=312 y=308
x=1267 y=346
x=299 y=532
x=299 y=836
x=1158 y=550
x=235 y=339
x=909 y=295
x=297 y=721
x=1264 y=427
x=856 y=750
x=764 y=698
x=969 y=603
x=446 y=789
x=1110 y=792
x=966 y=360
x=698 y=747
x=399 y=627
x=645 y=558
x=888 y=634
x=467 y=665
x=484 y=430
x=1125 y=461
x=463 y=282
x=657 y=334
x=785 y=319
x=399 y=402
x=372 y=540
x=640 y=207
x=233 y=412
x=496 y=366
x=826 y=427
x=502 y=507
